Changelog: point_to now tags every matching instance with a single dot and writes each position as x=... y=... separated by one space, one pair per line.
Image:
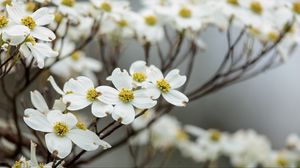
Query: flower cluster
x=27 y=31
x=244 y=148
x=137 y=90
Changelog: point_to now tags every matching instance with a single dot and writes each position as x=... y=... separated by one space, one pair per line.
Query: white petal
x=37 y=121
x=75 y=87
x=175 y=79
x=85 y=82
x=109 y=95
x=85 y=139
x=59 y=105
x=154 y=74
x=43 y=33
x=56 y=116
x=77 y=102
x=124 y=112
x=152 y=90
x=42 y=16
x=138 y=66
x=39 y=102
x=100 y=109
x=40 y=51
x=62 y=145
x=121 y=79
x=55 y=86
x=144 y=103
x=15 y=34
x=176 y=98
x=15 y=12
x=25 y=51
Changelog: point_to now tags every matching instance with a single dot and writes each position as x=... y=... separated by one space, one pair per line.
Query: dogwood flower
x=34 y=23
x=33 y=163
x=83 y=93
x=125 y=97
x=77 y=64
x=39 y=51
x=149 y=27
x=61 y=131
x=166 y=86
x=139 y=74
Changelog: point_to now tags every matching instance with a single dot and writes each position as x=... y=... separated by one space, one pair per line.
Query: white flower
x=39 y=51
x=33 y=163
x=83 y=93
x=61 y=131
x=210 y=141
x=185 y=16
x=39 y=102
x=77 y=64
x=246 y=148
x=34 y=23
x=138 y=72
x=282 y=159
x=67 y=7
x=168 y=136
x=149 y=27
x=125 y=98
x=166 y=86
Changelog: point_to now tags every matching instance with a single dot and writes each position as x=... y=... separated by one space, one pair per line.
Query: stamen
x=29 y=22
x=75 y=56
x=92 y=94
x=126 y=95
x=296 y=7
x=215 y=135
x=122 y=23
x=3 y=21
x=139 y=76
x=233 y=2
x=60 y=129
x=150 y=20
x=256 y=7
x=163 y=85
x=106 y=7
x=69 y=3
x=81 y=125
x=185 y=13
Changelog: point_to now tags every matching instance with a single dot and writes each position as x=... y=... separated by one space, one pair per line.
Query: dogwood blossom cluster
x=244 y=148
x=138 y=89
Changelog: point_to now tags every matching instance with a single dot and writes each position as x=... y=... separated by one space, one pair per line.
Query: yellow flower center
x=6 y=2
x=18 y=164
x=273 y=36
x=163 y=85
x=58 y=17
x=215 y=135
x=296 y=7
x=92 y=94
x=106 y=7
x=139 y=76
x=30 y=39
x=282 y=162
x=29 y=22
x=81 y=125
x=3 y=21
x=122 y=23
x=31 y=6
x=61 y=129
x=69 y=3
x=126 y=95
x=150 y=20
x=69 y=92
x=75 y=56
x=256 y=7
x=233 y=2
x=185 y=13
x=181 y=135
x=254 y=31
